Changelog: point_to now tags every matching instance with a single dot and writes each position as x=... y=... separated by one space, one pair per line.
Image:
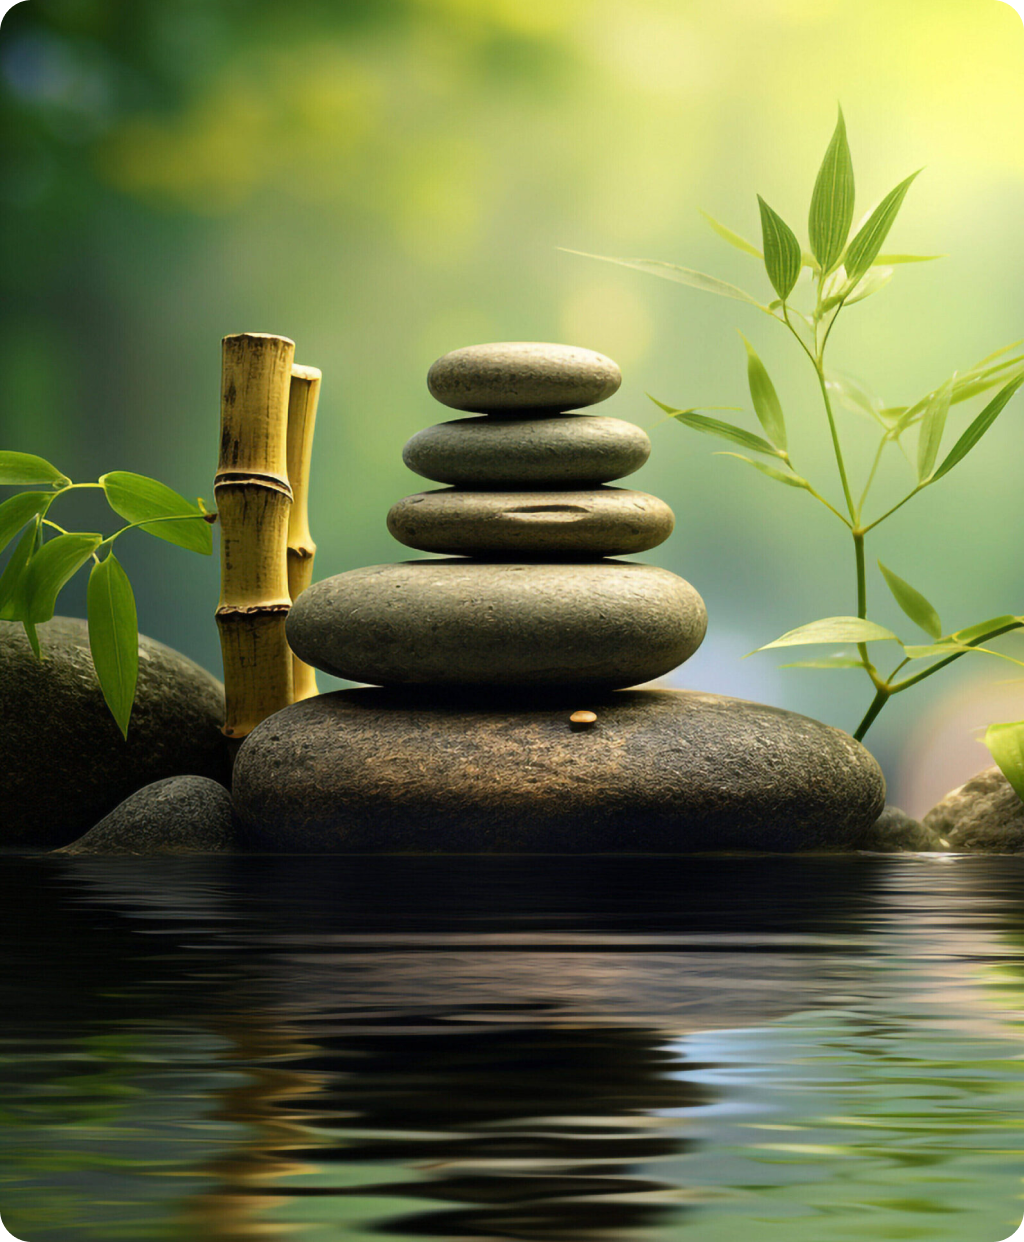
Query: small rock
x=607 y=521
x=63 y=761
x=566 y=450
x=896 y=832
x=495 y=623
x=665 y=770
x=522 y=375
x=985 y=816
x=180 y=815
x=583 y=720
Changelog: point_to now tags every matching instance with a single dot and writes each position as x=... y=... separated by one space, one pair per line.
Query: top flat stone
x=513 y=376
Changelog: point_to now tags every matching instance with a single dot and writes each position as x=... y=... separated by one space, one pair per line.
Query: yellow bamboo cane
x=302 y=403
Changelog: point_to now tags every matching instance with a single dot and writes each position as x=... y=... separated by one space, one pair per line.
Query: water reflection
x=490 y=1048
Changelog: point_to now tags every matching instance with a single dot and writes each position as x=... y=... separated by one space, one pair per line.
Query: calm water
x=765 y=1050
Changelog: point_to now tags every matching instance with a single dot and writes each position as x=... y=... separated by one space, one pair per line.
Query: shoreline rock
x=985 y=816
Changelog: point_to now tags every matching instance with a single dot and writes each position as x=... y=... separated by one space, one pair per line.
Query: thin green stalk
x=889 y=512
x=819 y=368
x=982 y=638
x=169 y=517
x=871 y=474
x=878 y=702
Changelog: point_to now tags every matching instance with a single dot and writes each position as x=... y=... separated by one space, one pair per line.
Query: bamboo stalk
x=302 y=402
x=253 y=502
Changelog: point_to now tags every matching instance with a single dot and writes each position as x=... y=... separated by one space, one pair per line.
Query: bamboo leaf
x=983 y=629
x=933 y=423
x=51 y=567
x=21 y=469
x=978 y=428
x=783 y=257
x=732 y=238
x=913 y=603
x=13 y=602
x=851 y=394
x=833 y=630
x=137 y=498
x=767 y=406
x=715 y=427
x=892 y=260
x=793 y=480
x=1006 y=744
x=832 y=201
x=682 y=275
x=839 y=660
x=863 y=250
x=934 y=649
x=114 y=637
x=877 y=278
x=18 y=510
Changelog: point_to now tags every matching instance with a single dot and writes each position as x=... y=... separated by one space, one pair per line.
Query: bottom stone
x=373 y=770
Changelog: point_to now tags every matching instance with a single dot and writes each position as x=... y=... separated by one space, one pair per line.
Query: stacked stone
x=528 y=597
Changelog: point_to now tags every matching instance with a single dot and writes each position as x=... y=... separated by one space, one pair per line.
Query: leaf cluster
x=47 y=556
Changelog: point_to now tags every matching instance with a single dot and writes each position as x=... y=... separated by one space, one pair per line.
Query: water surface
x=773 y=1049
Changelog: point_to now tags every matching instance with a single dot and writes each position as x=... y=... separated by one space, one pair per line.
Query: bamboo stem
x=253 y=501
x=302 y=402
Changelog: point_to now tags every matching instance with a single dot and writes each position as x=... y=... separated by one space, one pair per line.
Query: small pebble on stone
x=582 y=720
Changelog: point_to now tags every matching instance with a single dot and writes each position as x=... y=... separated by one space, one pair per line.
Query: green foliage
x=1006 y=744
x=47 y=557
x=844 y=273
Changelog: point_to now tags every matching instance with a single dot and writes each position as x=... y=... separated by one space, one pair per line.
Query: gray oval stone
x=660 y=770
x=606 y=521
x=179 y=815
x=512 y=376
x=492 y=623
x=528 y=452
x=63 y=761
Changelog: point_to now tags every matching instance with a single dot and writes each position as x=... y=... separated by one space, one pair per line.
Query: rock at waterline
x=896 y=832
x=597 y=522
x=179 y=815
x=513 y=376
x=464 y=622
x=528 y=452
x=372 y=770
x=63 y=761
x=984 y=816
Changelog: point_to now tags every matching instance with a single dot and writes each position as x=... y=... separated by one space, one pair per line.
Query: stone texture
x=179 y=815
x=522 y=375
x=660 y=770
x=608 y=521
x=63 y=762
x=557 y=451
x=896 y=832
x=491 y=623
x=984 y=816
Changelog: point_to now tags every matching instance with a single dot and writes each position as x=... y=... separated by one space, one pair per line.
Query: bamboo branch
x=302 y=402
x=253 y=501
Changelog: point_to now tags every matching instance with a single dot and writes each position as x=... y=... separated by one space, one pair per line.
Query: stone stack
x=528 y=598
x=485 y=657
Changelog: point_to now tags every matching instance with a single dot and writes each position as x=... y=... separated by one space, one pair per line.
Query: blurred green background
x=384 y=181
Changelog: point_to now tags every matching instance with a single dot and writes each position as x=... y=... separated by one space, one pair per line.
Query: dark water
x=765 y=1050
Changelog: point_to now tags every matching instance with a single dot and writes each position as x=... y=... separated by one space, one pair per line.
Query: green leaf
x=683 y=275
x=732 y=238
x=783 y=258
x=767 y=406
x=854 y=396
x=833 y=630
x=13 y=601
x=868 y=284
x=715 y=427
x=137 y=498
x=18 y=510
x=913 y=603
x=983 y=629
x=934 y=649
x=21 y=469
x=114 y=637
x=839 y=660
x=863 y=250
x=832 y=201
x=933 y=423
x=1006 y=744
x=51 y=567
x=978 y=428
x=793 y=480
x=892 y=260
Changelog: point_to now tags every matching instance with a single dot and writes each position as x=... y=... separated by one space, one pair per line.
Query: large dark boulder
x=63 y=761
x=375 y=770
